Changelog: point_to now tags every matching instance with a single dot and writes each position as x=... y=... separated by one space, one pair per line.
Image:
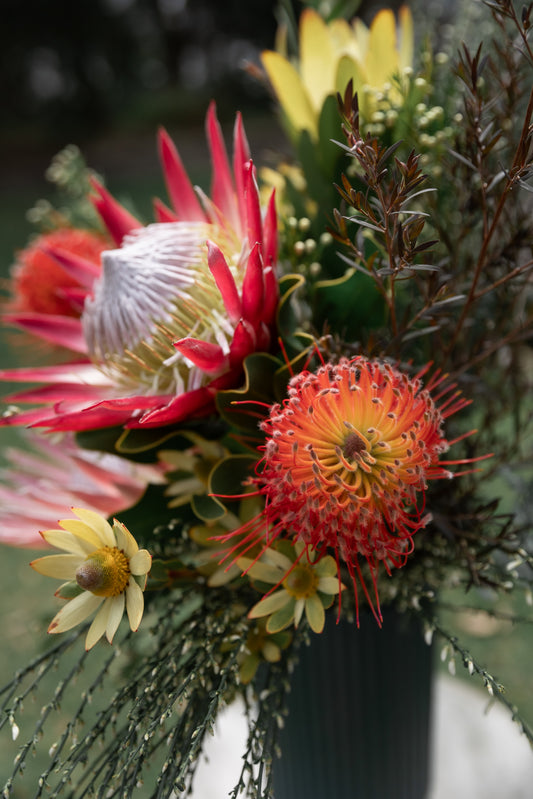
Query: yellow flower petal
x=298 y=611
x=382 y=56
x=124 y=539
x=281 y=618
x=134 y=604
x=98 y=626
x=329 y=585
x=317 y=59
x=61 y=566
x=116 y=611
x=299 y=547
x=270 y=604
x=74 y=612
x=348 y=69
x=343 y=39
x=140 y=562
x=407 y=43
x=315 y=614
x=326 y=567
x=82 y=531
x=101 y=526
x=271 y=652
x=278 y=559
x=223 y=575
x=361 y=36
x=291 y=93
x=67 y=541
x=261 y=571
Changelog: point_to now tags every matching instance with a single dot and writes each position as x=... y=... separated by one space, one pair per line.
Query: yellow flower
x=188 y=470
x=261 y=646
x=333 y=53
x=305 y=585
x=105 y=570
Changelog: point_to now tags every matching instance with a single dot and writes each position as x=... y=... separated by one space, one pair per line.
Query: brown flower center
x=106 y=572
x=301 y=582
x=353 y=445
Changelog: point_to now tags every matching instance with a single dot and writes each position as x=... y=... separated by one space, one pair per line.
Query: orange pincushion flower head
x=347 y=460
x=50 y=282
x=39 y=284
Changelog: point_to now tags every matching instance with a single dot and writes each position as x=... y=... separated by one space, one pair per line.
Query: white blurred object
x=476 y=755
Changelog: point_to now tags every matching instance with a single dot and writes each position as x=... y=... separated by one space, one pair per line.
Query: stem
x=511 y=180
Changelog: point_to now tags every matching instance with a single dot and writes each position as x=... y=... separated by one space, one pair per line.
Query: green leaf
x=140 y=445
x=161 y=568
x=228 y=476
x=69 y=590
x=104 y=439
x=344 y=8
x=350 y=305
x=319 y=181
x=302 y=361
x=150 y=512
x=140 y=442
x=207 y=508
x=329 y=132
x=237 y=406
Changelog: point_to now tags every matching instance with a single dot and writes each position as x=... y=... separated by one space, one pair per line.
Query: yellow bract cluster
x=332 y=54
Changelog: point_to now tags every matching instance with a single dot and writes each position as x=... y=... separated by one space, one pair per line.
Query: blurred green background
x=105 y=74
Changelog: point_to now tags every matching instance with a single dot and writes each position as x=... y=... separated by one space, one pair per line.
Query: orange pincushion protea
x=46 y=299
x=40 y=285
x=347 y=460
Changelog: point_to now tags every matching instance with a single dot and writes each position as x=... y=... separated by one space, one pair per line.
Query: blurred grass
x=27 y=600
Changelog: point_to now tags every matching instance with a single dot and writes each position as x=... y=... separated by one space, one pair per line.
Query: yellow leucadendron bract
x=332 y=54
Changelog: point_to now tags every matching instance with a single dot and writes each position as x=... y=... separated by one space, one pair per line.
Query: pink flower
x=37 y=487
x=178 y=306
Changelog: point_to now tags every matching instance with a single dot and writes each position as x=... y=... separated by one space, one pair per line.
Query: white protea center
x=155 y=289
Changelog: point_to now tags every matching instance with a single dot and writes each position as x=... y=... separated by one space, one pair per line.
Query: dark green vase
x=359 y=714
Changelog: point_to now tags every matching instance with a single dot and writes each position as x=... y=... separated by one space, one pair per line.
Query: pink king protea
x=178 y=305
x=44 y=479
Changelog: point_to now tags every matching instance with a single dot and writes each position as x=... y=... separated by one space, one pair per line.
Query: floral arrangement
x=304 y=395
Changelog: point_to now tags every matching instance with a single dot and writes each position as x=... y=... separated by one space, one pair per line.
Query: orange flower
x=46 y=299
x=346 y=464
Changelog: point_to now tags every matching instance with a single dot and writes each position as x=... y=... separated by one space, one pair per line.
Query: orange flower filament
x=40 y=285
x=347 y=460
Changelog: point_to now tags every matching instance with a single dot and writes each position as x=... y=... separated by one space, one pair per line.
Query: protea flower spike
x=346 y=464
x=178 y=306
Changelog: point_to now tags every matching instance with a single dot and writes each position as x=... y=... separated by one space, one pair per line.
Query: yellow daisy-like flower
x=261 y=646
x=105 y=570
x=332 y=54
x=305 y=585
